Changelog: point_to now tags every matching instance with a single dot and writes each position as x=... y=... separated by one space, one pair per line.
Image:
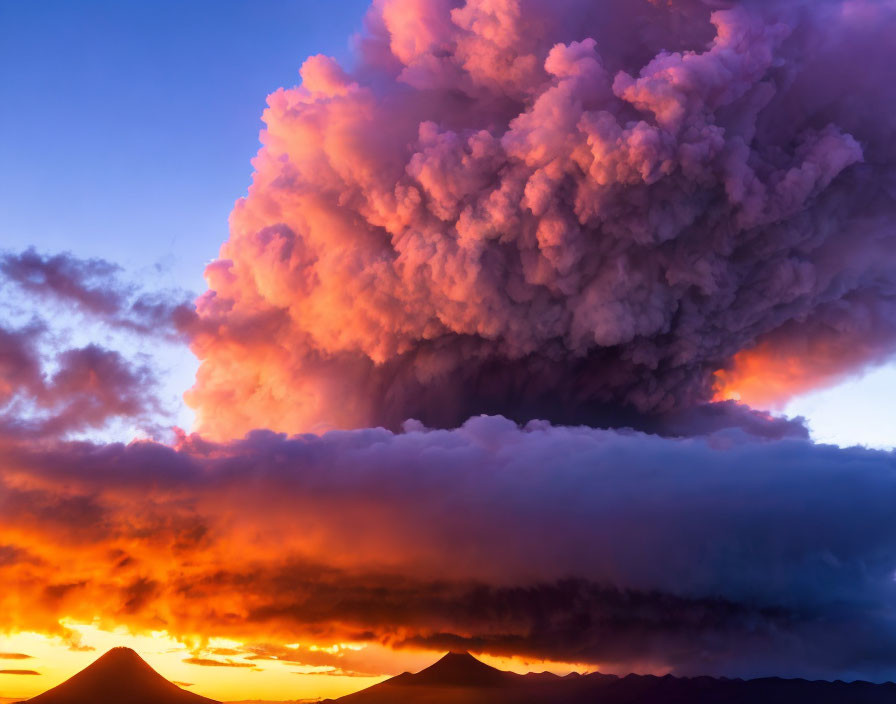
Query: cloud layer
x=605 y=213
x=725 y=554
x=590 y=212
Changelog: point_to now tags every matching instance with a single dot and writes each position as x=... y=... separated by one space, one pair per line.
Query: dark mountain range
x=119 y=677
x=123 y=677
x=462 y=679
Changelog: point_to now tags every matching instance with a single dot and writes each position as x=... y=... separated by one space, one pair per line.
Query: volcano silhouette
x=459 y=669
x=119 y=677
x=459 y=678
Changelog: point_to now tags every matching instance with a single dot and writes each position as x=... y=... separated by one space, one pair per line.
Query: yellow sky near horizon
x=240 y=679
x=271 y=679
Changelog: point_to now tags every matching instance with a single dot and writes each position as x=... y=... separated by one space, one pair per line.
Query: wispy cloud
x=210 y=662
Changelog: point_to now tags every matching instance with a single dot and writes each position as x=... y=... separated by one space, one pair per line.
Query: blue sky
x=129 y=127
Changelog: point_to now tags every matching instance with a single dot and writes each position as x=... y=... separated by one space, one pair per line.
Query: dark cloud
x=52 y=388
x=570 y=621
x=88 y=387
x=728 y=554
x=94 y=384
x=15 y=656
x=13 y=554
x=708 y=418
x=20 y=369
x=81 y=281
x=138 y=593
x=97 y=288
x=19 y=672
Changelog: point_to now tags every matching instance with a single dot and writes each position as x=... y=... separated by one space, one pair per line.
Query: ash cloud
x=596 y=213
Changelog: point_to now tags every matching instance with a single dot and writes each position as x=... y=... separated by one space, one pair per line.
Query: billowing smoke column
x=603 y=212
x=588 y=212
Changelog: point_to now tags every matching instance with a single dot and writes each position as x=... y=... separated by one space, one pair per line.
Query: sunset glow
x=222 y=676
x=218 y=667
x=769 y=375
x=501 y=343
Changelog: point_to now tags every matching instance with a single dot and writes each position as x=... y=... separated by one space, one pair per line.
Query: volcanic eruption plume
x=586 y=212
x=627 y=214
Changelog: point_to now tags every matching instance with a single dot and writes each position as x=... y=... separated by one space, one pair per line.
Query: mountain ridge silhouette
x=459 y=678
x=119 y=676
x=457 y=667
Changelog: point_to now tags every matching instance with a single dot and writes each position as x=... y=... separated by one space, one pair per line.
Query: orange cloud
x=803 y=357
x=438 y=540
x=210 y=662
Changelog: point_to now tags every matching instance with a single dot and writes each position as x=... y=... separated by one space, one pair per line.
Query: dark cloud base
x=728 y=554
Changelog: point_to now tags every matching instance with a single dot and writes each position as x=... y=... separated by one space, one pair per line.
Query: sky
x=337 y=335
x=141 y=120
x=131 y=126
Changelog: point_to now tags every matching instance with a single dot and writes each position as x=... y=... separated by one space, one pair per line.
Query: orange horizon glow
x=237 y=678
